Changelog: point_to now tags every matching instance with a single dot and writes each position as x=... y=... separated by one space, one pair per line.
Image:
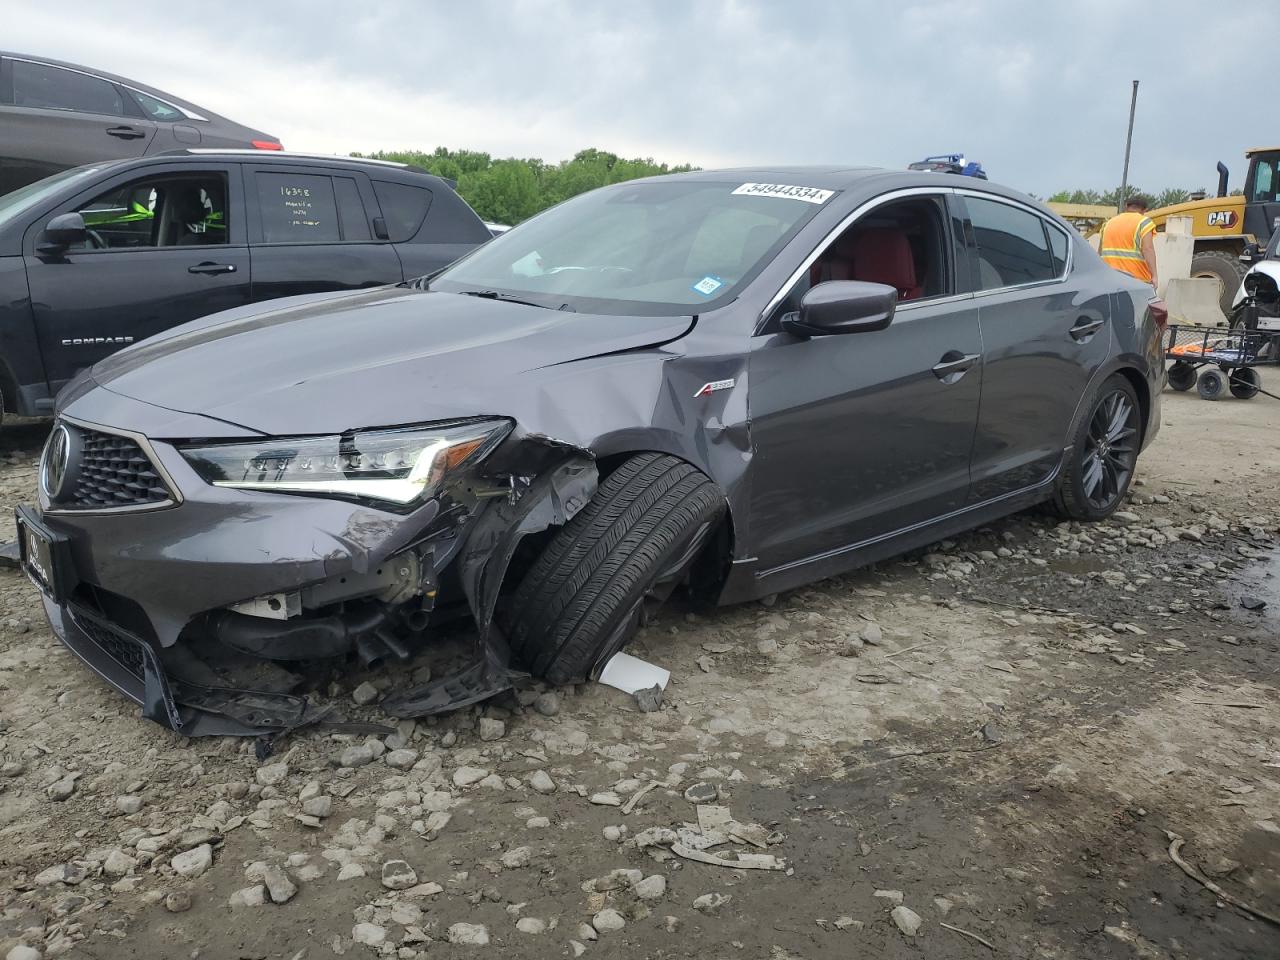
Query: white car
x=1267 y=264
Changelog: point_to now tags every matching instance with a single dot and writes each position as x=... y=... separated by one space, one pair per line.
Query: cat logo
x=1226 y=219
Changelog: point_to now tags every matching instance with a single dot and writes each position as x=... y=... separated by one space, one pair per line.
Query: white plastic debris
x=629 y=674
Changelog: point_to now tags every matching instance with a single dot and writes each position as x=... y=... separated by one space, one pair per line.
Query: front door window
x=170 y=211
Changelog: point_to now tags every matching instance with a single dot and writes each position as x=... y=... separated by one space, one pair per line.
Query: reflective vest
x=1121 y=248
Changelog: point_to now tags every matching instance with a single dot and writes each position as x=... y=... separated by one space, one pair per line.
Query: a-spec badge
x=707 y=389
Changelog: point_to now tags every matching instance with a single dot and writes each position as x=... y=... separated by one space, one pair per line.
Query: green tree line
x=1110 y=198
x=511 y=189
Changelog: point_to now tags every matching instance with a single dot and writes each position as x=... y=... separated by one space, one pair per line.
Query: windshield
x=664 y=247
x=12 y=204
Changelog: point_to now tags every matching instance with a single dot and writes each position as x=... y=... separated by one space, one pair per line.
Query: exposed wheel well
x=707 y=573
x=1143 y=390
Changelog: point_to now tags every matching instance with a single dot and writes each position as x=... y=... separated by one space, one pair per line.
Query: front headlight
x=401 y=465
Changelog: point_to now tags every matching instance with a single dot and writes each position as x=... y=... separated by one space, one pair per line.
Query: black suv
x=97 y=257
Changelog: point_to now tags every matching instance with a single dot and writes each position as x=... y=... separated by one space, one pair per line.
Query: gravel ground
x=982 y=749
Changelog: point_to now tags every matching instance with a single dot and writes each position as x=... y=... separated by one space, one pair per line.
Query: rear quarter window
x=404 y=207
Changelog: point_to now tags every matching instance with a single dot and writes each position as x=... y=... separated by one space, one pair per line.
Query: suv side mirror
x=842 y=306
x=63 y=231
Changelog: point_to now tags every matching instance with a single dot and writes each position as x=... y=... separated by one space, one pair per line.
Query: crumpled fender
x=552 y=499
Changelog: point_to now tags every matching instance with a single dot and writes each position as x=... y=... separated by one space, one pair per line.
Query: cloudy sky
x=1039 y=92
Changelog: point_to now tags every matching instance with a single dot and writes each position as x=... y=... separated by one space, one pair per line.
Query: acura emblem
x=54 y=462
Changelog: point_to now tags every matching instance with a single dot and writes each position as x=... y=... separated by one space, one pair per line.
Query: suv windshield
x=662 y=247
x=14 y=203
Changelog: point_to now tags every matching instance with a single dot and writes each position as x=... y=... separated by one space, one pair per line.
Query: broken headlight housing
x=402 y=465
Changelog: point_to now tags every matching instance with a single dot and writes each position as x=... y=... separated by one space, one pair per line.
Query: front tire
x=582 y=600
x=1104 y=453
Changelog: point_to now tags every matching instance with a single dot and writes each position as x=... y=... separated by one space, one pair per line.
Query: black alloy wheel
x=1110 y=450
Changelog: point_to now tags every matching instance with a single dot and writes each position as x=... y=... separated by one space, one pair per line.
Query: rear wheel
x=1182 y=375
x=583 y=599
x=1104 y=453
x=1245 y=383
x=1212 y=384
x=1223 y=266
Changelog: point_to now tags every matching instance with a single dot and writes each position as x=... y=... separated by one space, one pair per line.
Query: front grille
x=114 y=471
x=120 y=645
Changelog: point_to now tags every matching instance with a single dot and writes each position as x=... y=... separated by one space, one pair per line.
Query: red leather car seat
x=883 y=255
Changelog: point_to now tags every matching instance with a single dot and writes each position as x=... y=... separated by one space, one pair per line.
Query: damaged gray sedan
x=731 y=383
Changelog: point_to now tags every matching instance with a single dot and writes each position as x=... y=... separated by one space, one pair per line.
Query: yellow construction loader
x=1222 y=225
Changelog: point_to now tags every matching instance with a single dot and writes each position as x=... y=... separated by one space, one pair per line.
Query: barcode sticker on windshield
x=787 y=192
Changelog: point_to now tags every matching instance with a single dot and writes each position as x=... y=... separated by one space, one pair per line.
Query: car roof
x=850 y=178
x=194 y=111
x=378 y=169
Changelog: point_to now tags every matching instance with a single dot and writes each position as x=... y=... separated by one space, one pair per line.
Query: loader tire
x=581 y=601
x=1223 y=266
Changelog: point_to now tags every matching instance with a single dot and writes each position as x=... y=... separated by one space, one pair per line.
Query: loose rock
x=370 y=934
x=468 y=776
x=471 y=934
x=279 y=887
x=608 y=920
x=192 y=863
x=177 y=901
x=908 y=920
x=398 y=875
x=365 y=694
x=531 y=925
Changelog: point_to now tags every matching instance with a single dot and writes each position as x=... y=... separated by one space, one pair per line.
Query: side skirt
x=747 y=582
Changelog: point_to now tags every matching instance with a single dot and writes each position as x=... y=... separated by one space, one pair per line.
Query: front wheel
x=583 y=598
x=1103 y=453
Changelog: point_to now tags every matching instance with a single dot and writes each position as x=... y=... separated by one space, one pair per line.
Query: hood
x=381 y=357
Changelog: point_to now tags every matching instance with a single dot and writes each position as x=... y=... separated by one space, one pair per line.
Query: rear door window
x=404 y=207
x=1012 y=247
x=297 y=208
x=53 y=88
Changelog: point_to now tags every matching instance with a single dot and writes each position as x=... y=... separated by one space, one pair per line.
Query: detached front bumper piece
x=131 y=665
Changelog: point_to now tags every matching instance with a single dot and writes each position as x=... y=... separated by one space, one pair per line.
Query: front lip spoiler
x=130 y=665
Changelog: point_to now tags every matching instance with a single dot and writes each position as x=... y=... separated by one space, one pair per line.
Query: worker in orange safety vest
x=1127 y=243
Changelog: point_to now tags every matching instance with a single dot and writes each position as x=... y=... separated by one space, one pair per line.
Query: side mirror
x=842 y=306
x=63 y=231
x=1251 y=252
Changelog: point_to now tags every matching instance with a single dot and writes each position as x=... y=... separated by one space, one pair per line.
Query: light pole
x=1128 y=143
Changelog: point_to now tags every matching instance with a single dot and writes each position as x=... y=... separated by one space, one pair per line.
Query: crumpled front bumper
x=216 y=547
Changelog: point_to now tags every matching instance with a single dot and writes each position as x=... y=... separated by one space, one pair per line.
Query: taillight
x=267 y=144
x=1159 y=312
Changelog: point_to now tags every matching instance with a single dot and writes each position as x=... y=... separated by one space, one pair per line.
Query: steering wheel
x=95 y=240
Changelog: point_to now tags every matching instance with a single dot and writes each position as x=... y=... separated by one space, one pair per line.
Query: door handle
x=126 y=133
x=1085 y=328
x=212 y=268
x=954 y=365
